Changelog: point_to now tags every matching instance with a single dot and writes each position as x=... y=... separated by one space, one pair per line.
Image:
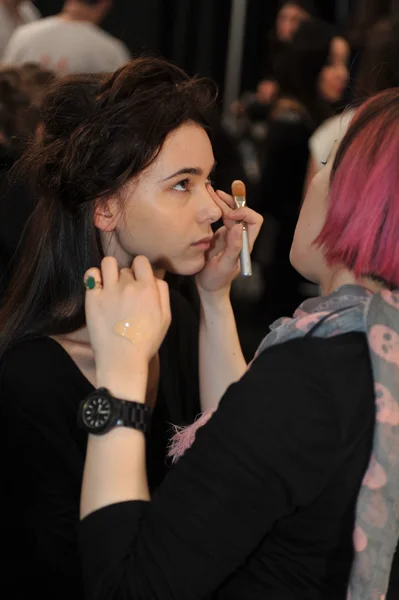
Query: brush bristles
x=238 y=188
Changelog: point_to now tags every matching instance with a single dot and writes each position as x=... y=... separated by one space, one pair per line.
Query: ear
x=106 y=215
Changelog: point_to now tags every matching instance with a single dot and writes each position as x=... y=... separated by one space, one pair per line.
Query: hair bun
x=68 y=105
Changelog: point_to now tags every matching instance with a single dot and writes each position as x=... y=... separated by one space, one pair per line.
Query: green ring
x=90 y=283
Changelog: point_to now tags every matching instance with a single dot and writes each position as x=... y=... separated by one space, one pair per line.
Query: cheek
x=325 y=82
x=305 y=257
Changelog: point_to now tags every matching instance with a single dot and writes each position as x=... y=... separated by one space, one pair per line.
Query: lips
x=203 y=244
x=206 y=240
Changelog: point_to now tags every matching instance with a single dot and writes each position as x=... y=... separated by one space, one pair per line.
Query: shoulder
x=23 y=34
x=29 y=11
x=32 y=353
x=38 y=373
x=323 y=139
x=107 y=40
x=289 y=110
x=304 y=386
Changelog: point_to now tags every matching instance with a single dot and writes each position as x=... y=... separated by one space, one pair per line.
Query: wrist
x=125 y=384
x=218 y=298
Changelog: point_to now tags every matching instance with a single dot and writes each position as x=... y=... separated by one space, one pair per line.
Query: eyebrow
x=189 y=171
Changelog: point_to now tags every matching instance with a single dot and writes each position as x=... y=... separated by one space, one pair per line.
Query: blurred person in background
x=247 y=122
x=312 y=79
x=70 y=42
x=14 y=13
x=21 y=91
x=363 y=16
x=378 y=70
x=290 y=14
x=36 y=81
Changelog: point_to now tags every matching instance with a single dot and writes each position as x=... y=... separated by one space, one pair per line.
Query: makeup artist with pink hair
x=289 y=491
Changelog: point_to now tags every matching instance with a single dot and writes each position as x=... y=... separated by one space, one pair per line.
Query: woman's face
x=334 y=76
x=168 y=210
x=288 y=20
x=306 y=258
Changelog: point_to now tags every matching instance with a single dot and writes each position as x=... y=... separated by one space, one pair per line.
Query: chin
x=187 y=267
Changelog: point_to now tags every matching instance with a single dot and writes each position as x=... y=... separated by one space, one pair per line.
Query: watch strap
x=134 y=414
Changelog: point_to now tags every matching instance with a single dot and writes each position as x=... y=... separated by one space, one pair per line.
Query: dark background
x=192 y=33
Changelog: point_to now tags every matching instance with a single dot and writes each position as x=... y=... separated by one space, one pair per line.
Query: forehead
x=293 y=11
x=339 y=48
x=187 y=146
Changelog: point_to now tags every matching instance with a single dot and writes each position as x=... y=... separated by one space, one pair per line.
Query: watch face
x=97 y=413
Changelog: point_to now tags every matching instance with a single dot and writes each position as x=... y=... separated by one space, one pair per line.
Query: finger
x=126 y=276
x=230 y=256
x=226 y=198
x=110 y=271
x=142 y=269
x=218 y=243
x=164 y=298
x=224 y=207
x=248 y=215
x=93 y=281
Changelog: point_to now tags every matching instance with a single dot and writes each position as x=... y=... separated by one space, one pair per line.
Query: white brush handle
x=245 y=255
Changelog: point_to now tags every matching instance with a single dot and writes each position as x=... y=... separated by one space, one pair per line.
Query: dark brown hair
x=99 y=132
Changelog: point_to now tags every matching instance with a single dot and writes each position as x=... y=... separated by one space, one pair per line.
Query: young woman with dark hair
x=121 y=166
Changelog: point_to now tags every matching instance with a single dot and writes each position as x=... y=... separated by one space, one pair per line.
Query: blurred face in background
x=288 y=20
x=335 y=75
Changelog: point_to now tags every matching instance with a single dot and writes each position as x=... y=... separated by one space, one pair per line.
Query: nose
x=209 y=210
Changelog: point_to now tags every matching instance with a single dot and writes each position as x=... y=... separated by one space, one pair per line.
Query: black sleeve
x=265 y=452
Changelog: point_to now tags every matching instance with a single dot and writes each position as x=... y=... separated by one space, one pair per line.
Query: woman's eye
x=182 y=186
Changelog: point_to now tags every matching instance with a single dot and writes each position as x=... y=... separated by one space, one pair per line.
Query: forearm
x=115 y=467
x=221 y=361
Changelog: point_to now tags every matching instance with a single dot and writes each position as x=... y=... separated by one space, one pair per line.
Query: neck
x=340 y=276
x=78 y=12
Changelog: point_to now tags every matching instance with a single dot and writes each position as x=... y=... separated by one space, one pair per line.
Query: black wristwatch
x=100 y=412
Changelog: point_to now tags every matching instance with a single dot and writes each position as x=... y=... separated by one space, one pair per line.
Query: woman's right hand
x=127 y=319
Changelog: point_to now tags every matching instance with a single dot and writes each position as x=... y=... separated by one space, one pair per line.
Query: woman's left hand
x=222 y=265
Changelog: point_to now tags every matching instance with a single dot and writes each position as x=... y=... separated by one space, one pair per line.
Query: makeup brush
x=240 y=199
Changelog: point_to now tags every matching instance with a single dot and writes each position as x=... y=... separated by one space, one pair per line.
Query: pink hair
x=362 y=224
